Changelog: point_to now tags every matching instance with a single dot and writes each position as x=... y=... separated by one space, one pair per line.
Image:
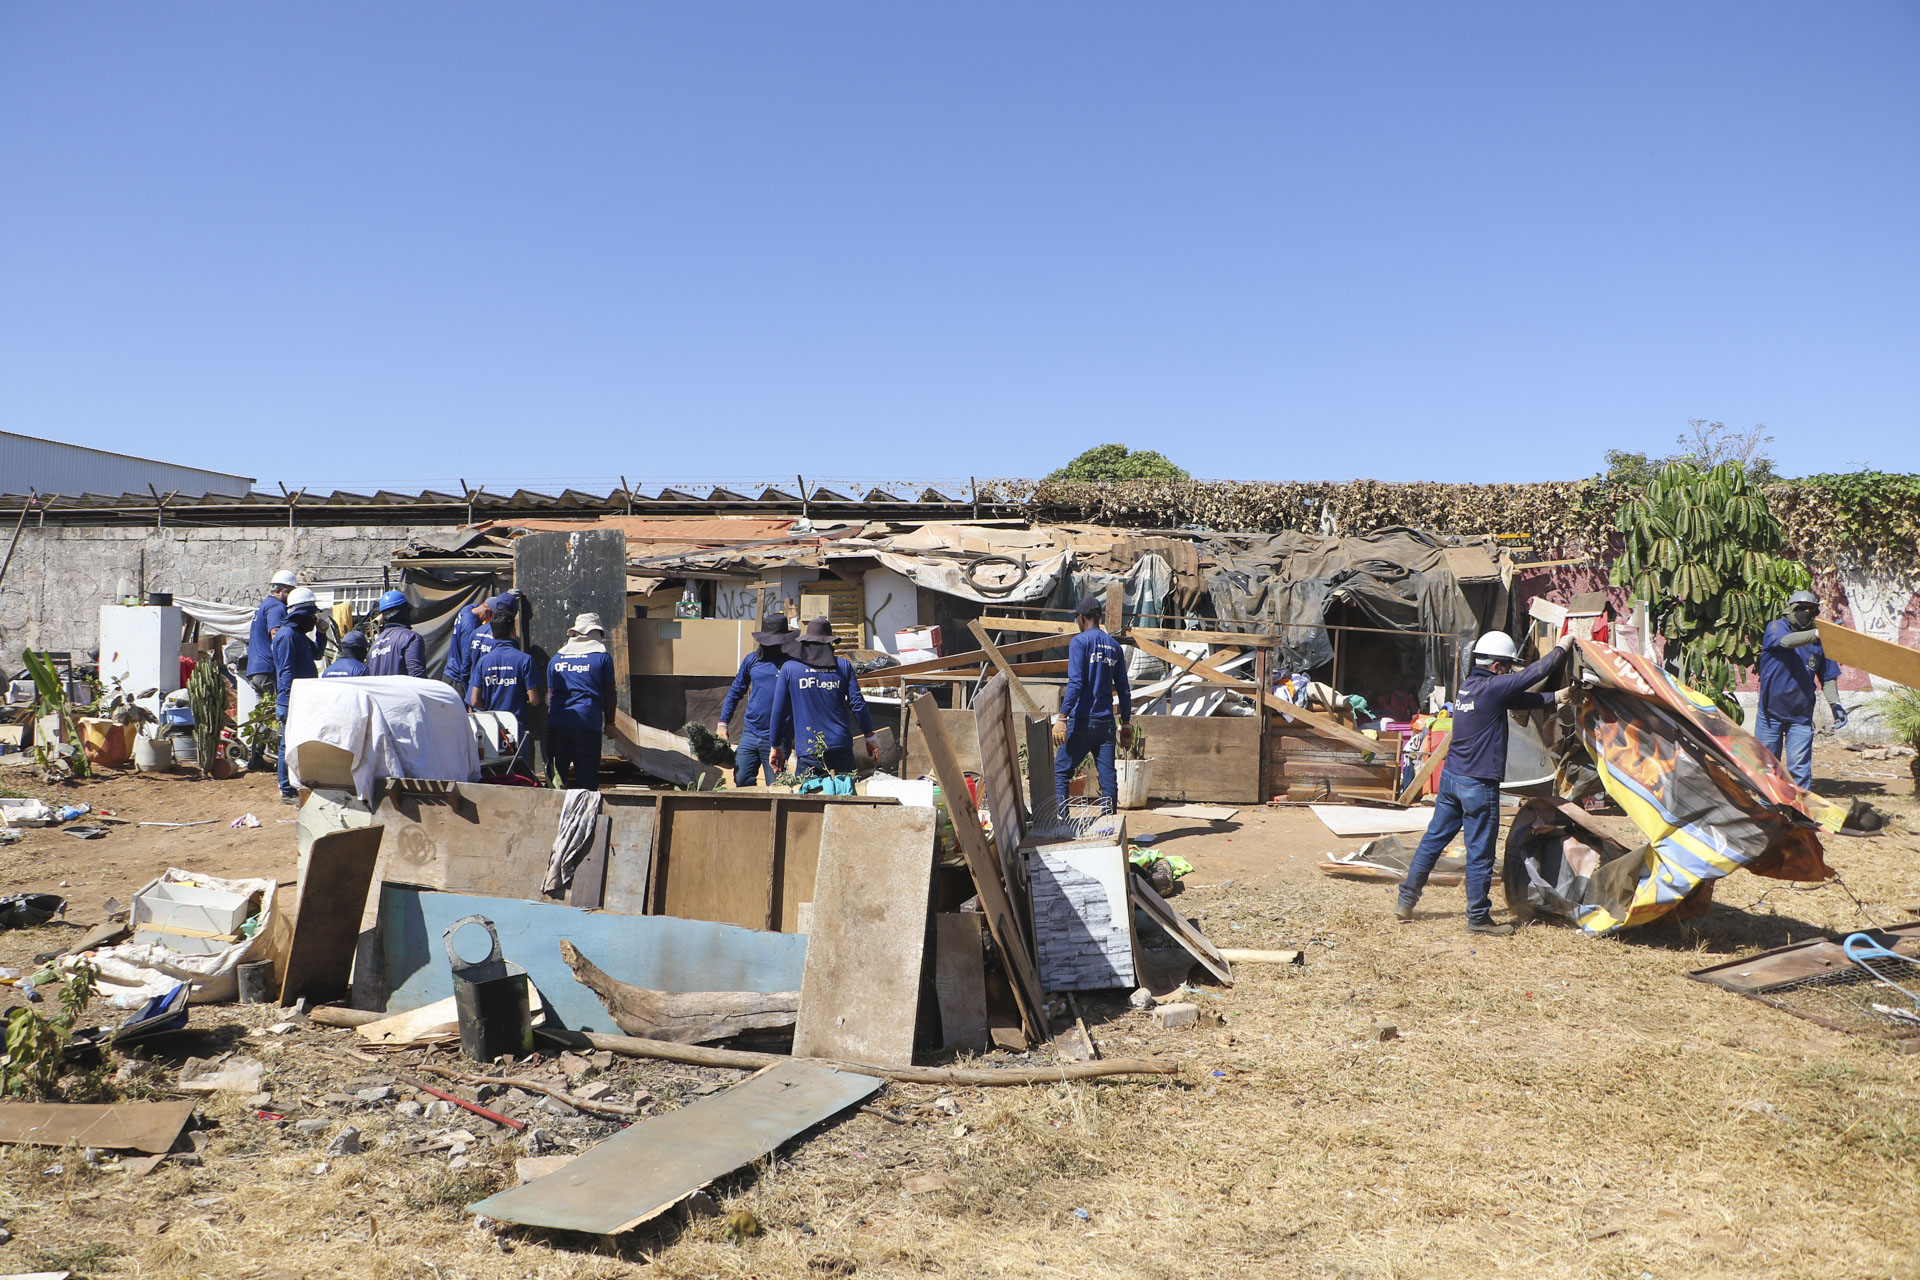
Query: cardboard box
x=917 y=644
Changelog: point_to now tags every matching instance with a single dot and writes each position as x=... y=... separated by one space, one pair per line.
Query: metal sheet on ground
x=657 y=952
x=650 y=1167
x=860 y=989
x=1359 y=820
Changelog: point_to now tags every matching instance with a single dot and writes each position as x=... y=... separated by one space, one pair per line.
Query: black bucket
x=490 y=996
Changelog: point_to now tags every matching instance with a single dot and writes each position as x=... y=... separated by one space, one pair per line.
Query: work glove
x=1839 y=715
x=1059 y=734
x=1564 y=696
x=1564 y=642
x=721 y=731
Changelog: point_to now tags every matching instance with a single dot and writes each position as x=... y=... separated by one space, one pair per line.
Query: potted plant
x=1133 y=771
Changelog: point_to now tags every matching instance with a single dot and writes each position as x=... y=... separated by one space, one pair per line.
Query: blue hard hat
x=354 y=643
x=391 y=600
x=506 y=602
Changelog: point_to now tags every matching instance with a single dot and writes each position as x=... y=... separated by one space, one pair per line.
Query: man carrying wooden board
x=1794 y=671
x=1096 y=681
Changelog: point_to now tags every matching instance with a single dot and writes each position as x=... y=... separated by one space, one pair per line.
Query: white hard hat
x=586 y=624
x=301 y=598
x=1497 y=645
x=284 y=578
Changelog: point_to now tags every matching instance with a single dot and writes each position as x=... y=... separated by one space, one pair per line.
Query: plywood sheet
x=860 y=992
x=1203 y=758
x=629 y=856
x=1883 y=658
x=657 y=952
x=1180 y=929
x=487 y=840
x=649 y=1167
x=960 y=982
x=326 y=926
x=715 y=860
x=152 y=1127
x=1363 y=820
x=960 y=736
x=1000 y=767
x=690 y=646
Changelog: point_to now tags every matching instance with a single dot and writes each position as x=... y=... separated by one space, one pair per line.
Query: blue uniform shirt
x=293 y=655
x=344 y=666
x=460 y=649
x=267 y=619
x=762 y=676
x=808 y=701
x=1786 y=675
x=1096 y=670
x=399 y=651
x=504 y=676
x=582 y=690
x=1479 y=748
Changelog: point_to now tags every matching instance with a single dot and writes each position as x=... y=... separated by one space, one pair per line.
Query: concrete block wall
x=61 y=575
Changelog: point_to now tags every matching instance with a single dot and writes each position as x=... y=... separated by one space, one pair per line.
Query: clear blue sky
x=360 y=244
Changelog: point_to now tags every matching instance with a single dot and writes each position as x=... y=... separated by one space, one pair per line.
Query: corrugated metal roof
x=54 y=466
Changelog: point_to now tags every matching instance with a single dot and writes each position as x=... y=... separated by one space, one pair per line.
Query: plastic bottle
x=68 y=812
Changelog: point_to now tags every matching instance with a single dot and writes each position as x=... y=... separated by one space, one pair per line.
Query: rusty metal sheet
x=648 y=1168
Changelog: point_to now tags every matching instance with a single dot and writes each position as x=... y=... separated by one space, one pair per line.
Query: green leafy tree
x=1117 y=462
x=1703 y=550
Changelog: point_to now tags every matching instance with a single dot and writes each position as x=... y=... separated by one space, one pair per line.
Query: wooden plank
x=1006 y=930
x=1433 y=761
x=493 y=841
x=1020 y=695
x=326 y=924
x=715 y=861
x=589 y=885
x=657 y=952
x=563 y=574
x=1871 y=654
x=647 y=1168
x=1159 y=635
x=1180 y=929
x=1114 y=618
x=860 y=990
x=1203 y=758
x=885 y=678
x=152 y=1127
x=960 y=981
x=1326 y=726
x=975 y=657
x=801 y=823
x=1000 y=768
x=629 y=855
x=660 y=754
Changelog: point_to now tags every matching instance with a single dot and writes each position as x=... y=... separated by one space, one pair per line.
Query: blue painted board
x=662 y=953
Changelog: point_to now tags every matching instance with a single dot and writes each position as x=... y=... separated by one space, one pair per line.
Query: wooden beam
x=1164 y=635
x=1115 y=614
x=1427 y=766
x=885 y=679
x=1883 y=658
x=1325 y=726
x=1027 y=704
x=974 y=657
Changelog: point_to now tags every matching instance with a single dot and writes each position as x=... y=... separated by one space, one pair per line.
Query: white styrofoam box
x=917 y=639
x=917 y=792
x=165 y=906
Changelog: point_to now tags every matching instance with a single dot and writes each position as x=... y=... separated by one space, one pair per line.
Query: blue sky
x=362 y=244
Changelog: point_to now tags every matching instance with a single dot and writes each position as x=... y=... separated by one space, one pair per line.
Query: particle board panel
x=1000 y=767
x=648 y=1167
x=715 y=860
x=1211 y=759
x=960 y=981
x=866 y=944
x=961 y=736
x=566 y=573
x=475 y=838
x=656 y=952
x=318 y=962
x=629 y=856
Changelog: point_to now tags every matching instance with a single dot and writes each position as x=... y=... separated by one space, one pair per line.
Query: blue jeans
x=836 y=760
x=574 y=754
x=1475 y=805
x=281 y=709
x=1797 y=739
x=1094 y=738
x=750 y=757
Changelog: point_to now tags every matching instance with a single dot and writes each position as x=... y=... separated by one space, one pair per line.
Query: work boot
x=1489 y=928
x=1404 y=910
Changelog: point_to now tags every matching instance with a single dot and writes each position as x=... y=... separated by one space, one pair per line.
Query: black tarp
x=437 y=596
x=1289 y=583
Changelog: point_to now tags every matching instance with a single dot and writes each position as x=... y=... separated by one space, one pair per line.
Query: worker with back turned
x=268 y=617
x=293 y=659
x=755 y=681
x=1475 y=767
x=582 y=702
x=1096 y=681
x=353 y=657
x=815 y=704
x=399 y=651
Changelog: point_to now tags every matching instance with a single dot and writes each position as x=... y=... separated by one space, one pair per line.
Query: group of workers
x=487 y=664
x=801 y=698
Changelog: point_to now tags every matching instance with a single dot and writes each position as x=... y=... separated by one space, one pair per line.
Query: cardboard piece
x=152 y=1127
x=649 y=1167
x=435 y=1023
x=860 y=989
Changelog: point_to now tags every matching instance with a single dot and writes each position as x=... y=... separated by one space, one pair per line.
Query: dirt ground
x=1552 y=1104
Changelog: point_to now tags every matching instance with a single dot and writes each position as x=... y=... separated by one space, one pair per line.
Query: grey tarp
x=1398 y=578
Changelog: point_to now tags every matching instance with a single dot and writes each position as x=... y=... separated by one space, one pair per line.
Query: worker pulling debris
x=399 y=651
x=353 y=657
x=1476 y=763
x=293 y=659
x=580 y=679
x=756 y=680
x=815 y=704
x=268 y=617
x=1096 y=681
x=1793 y=670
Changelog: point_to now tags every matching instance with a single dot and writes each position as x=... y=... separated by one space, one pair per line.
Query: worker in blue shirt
x=268 y=617
x=1096 y=678
x=1476 y=766
x=1794 y=671
x=399 y=651
x=758 y=677
x=353 y=657
x=472 y=620
x=815 y=702
x=506 y=678
x=582 y=704
x=293 y=659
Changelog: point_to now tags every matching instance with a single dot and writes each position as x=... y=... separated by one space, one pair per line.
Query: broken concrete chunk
x=410 y=1109
x=238 y=1075
x=1384 y=1031
x=384 y=1093
x=345 y=1143
x=312 y=1127
x=1177 y=1015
